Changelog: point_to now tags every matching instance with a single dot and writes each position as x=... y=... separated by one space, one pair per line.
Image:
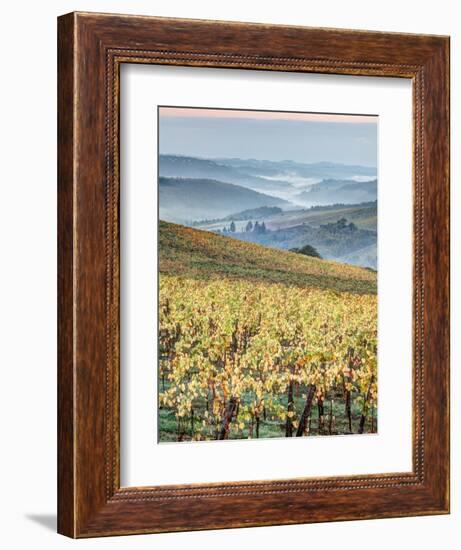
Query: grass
x=269 y=428
x=203 y=255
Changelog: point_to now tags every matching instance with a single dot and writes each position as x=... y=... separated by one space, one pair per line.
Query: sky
x=268 y=135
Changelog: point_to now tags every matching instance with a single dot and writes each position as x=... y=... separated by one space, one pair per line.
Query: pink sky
x=186 y=112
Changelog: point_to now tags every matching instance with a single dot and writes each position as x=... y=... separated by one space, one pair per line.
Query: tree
x=352 y=226
x=256 y=227
x=232 y=227
x=307 y=250
x=249 y=226
x=263 y=228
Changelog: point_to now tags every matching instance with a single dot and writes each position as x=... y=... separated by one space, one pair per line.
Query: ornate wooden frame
x=91 y=48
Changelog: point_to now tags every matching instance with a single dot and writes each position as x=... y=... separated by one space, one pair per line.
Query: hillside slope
x=363 y=215
x=201 y=255
x=335 y=191
x=317 y=226
x=333 y=240
x=176 y=166
x=187 y=199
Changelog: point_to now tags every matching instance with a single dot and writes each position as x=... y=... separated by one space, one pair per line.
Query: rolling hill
x=363 y=215
x=318 y=226
x=335 y=241
x=200 y=254
x=321 y=170
x=286 y=179
x=344 y=191
x=177 y=166
x=188 y=199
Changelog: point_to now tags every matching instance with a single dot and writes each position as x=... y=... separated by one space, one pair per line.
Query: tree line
x=250 y=227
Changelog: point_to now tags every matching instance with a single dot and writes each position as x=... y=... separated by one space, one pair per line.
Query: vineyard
x=254 y=352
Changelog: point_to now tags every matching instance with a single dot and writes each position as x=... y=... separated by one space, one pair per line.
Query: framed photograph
x=253 y=275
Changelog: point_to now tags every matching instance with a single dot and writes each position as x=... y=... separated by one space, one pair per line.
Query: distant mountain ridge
x=188 y=199
x=288 y=180
x=192 y=167
x=322 y=169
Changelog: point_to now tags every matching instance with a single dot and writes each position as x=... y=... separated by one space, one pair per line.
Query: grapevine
x=249 y=359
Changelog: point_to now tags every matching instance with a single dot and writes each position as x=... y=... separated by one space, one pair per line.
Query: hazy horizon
x=268 y=135
x=202 y=157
